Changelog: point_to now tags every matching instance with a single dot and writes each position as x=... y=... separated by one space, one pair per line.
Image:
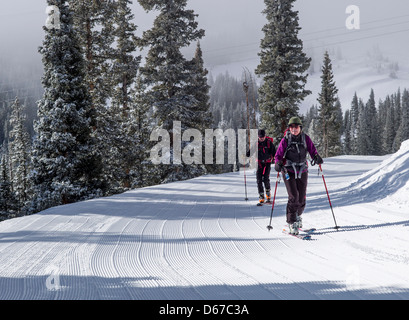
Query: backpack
x=288 y=137
x=269 y=144
x=290 y=143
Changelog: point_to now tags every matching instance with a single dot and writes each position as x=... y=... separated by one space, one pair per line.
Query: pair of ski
x=260 y=204
x=304 y=235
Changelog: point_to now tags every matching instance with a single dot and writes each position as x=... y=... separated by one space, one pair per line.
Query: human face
x=261 y=139
x=295 y=129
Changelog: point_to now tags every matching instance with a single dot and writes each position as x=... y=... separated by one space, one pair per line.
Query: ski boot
x=299 y=221
x=293 y=227
x=261 y=198
x=268 y=196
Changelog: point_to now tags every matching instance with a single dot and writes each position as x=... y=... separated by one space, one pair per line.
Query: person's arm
x=313 y=151
x=279 y=155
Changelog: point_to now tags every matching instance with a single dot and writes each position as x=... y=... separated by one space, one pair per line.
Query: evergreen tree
x=125 y=64
x=330 y=124
x=382 y=115
x=373 y=130
x=5 y=117
x=144 y=173
x=354 y=113
x=199 y=88
x=389 y=133
x=167 y=74
x=311 y=125
x=347 y=133
x=404 y=129
x=66 y=165
x=8 y=201
x=282 y=65
x=397 y=120
x=339 y=117
x=311 y=114
x=362 y=129
x=123 y=77
x=19 y=153
x=93 y=22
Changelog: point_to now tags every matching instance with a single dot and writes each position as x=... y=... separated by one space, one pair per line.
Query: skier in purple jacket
x=291 y=160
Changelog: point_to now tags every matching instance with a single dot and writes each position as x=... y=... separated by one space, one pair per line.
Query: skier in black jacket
x=266 y=153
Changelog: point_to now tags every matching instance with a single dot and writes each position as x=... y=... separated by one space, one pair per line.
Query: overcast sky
x=233 y=28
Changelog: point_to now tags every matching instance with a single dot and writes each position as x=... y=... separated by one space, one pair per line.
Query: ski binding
x=302 y=236
x=260 y=204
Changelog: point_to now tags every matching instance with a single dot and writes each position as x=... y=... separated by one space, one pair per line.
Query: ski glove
x=278 y=166
x=317 y=160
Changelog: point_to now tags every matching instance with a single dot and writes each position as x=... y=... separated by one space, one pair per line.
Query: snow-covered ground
x=199 y=239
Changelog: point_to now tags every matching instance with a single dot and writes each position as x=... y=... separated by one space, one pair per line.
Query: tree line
x=100 y=104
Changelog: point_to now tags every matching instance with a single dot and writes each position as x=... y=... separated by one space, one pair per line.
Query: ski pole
x=269 y=227
x=245 y=183
x=329 y=200
x=246 y=89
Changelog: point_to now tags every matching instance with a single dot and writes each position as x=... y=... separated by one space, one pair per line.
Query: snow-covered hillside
x=199 y=239
x=358 y=75
x=352 y=75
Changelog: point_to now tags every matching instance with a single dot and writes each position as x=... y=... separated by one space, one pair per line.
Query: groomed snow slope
x=199 y=239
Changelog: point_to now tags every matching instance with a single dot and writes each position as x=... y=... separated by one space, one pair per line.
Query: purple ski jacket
x=283 y=147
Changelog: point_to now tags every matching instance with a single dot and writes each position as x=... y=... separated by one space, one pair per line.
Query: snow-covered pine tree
x=381 y=125
x=329 y=122
x=19 y=154
x=144 y=173
x=167 y=74
x=389 y=125
x=282 y=65
x=199 y=88
x=339 y=115
x=125 y=64
x=66 y=165
x=8 y=200
x=354 y=114
x=372 y=123
x=311 y=114
x=311 y=125
x=123 y=77
x=93 y=22
x=347 y=133
x=397 y=118
x=405 y=116
x=362 y=129
x=252 y=94
x=4 y=117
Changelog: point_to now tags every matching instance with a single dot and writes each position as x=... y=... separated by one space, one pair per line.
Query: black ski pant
x=297 y=192
x=263 y=176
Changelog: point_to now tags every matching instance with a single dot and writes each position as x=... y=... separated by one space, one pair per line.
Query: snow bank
x=389 y=180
